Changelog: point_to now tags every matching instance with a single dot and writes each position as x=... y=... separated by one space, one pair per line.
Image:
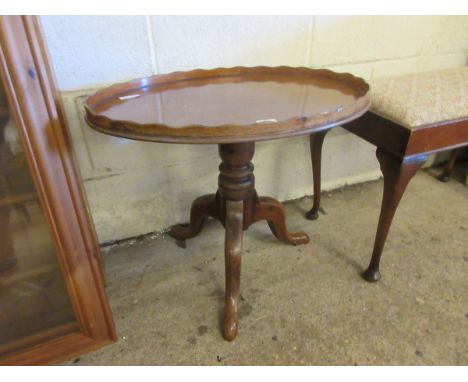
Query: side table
x=234 y=108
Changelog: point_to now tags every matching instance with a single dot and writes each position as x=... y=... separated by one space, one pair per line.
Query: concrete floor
x=304 y=305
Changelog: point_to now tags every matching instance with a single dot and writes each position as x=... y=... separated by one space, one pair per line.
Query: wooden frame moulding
x=35 y=104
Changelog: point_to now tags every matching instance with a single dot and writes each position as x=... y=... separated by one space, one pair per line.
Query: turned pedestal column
x=236 y=205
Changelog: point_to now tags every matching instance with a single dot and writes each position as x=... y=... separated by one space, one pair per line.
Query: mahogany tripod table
x=234 y=108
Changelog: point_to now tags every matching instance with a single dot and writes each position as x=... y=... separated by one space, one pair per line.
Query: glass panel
x=34 y=305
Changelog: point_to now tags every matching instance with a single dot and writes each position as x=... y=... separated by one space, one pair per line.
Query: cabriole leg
x=233 y=254
x=316 y=143
x=202 y=207
x=272 y=211
x=397 y=173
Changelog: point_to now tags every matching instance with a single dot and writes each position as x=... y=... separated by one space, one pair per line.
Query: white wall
x=137 y=187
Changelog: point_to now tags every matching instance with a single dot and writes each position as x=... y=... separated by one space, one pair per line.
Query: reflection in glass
x=33 y=298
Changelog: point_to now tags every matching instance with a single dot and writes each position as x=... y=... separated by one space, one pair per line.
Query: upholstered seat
x=418 y=99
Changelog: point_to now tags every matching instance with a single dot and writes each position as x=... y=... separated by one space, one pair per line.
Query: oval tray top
x=228 y=105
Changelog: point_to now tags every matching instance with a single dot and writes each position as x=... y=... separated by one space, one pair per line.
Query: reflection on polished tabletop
x=233 y=107
x=241 y=101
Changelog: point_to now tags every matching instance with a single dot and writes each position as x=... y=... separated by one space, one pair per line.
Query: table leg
x=237 y=206
x=233 y=254
x=316 y=143
x=202 y=207
x=397 y=173
x=273 y=212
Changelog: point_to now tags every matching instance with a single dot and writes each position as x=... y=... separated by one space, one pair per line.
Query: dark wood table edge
x=229 y=133
x=227 y=139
